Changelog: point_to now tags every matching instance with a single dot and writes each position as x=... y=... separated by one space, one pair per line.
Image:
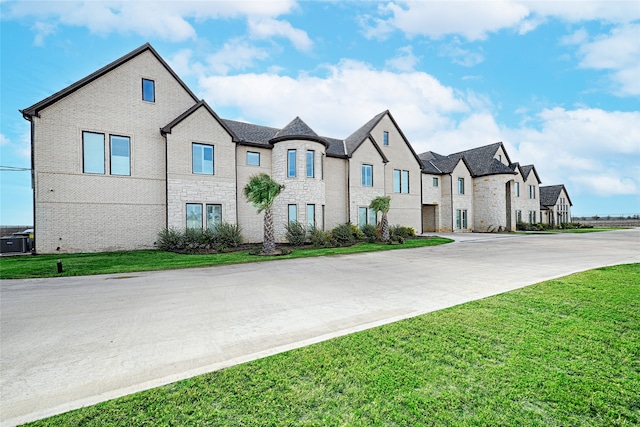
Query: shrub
x=370 y=232
x=401 y=231
x=320 y=238
x=170 y=239
x=343 y=234
x=296 y=234
x=225 y=235
x=357 y=234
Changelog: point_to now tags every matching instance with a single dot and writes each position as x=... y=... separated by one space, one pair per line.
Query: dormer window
x=148 y=90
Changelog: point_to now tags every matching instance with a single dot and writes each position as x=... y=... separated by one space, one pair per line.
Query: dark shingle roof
x=353 y=141
x=33 y=110
x=481 y=161
x=526 y=170
x=252 y=134
x=297 y=129
x=549 y=195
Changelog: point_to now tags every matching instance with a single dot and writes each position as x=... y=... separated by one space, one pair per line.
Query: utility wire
x=13 y=169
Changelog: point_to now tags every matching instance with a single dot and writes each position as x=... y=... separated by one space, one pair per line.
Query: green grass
x=561 y=353
x=22 y=267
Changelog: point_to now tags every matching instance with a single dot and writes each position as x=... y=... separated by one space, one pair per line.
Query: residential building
x=130 y=150
x=555 y=205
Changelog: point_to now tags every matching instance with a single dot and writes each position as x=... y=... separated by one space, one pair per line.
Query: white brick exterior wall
x=359 y=195
x=79 y=212
x=336 y=192
x=248 y=217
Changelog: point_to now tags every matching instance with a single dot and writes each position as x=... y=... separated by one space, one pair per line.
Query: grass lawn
x=27 y=266
x=560 y=353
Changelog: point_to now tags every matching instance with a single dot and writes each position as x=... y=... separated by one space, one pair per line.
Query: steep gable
x=549 y=195
x=201 y=104
x=34 y=110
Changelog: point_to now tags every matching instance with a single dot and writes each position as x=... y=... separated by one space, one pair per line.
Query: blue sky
x=557 y=81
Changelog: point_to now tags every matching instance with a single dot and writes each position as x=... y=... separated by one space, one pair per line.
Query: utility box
x=13 y=245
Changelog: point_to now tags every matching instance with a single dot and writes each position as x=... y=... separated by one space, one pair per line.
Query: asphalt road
x=72 y=342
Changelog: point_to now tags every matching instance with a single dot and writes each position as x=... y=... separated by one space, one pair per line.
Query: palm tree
x=382 y=204
x=262 y=191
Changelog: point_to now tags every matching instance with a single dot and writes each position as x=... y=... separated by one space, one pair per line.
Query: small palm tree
x=262 y=191
x=382 y=204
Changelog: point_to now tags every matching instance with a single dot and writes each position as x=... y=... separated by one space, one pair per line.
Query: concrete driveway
x=71 y=342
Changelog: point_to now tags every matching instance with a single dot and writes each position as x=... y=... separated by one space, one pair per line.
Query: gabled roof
x=526 y=170
x=480 y=161
x=34 y=110
x=297 y=129
x=167 y=129
x=549 y=195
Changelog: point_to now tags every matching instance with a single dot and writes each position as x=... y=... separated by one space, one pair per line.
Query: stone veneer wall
x=490 y=203
x=251 y=222
x=299 y=190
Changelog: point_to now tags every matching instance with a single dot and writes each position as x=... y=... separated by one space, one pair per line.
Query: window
x=120 y=155
x=460 y=185
x=385 y=138
x=214 y=215
x=435 y=182
x=518 y=216
x=311 y=216
x=366 y=216
x=148 y=90
x=367 y=175
x=291 y=163
x=322 y=166
x=323 y=217
x=253 y=158
x=532 y=217
x=400 y=181
x=202 y=159
x=516 y=189
x=293 y=213
x=92 y=152
x=194 y=215
x=532 y=191
x=311 y=158
x=461 y=219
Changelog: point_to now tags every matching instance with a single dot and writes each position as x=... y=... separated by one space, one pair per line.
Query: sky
x=558 y=82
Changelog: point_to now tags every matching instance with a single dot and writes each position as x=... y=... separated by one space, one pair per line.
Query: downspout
x=33 y=185
x=236 y=172
x=451 y=190
x=348 y=189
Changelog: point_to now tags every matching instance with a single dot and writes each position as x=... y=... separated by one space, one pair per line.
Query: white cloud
x=168 y=20
x=268 y=27
x=405 y=60
x=459 y=55
x=619 y=52
x=4 y=140
x=612 y=11
x=236 y=54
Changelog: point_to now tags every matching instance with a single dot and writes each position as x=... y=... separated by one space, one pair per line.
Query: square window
x=291 y=163
x=120 y=155
x=92 y=152
x=367 y=175
x=148 y=90
x=253 y=158
x=202 y=159
x=194 y=215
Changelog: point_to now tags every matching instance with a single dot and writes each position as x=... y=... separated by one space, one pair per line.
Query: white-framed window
x=291 y=163
x=202 y=158
x=516 y=189
x=293 y=213
x=366 y=216
x=461 y=219
x=311 y=216
x=460 y=185
x=120 y=160
x=93 y=152
x=532 y=191
x=253 y=158
x=385 y=138
x=194 y=215
x=214 y=215
x=400 y=181
x=532 y=217
x=435 y=181
x=311 y=158
x=148 y=90
x=367 y=175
